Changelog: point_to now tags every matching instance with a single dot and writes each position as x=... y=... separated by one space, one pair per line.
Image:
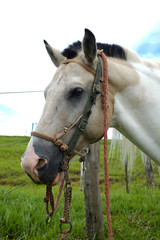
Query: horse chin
x=58 y=178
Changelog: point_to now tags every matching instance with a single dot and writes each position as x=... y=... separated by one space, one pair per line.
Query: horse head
x=131 y=81
x=66 y=97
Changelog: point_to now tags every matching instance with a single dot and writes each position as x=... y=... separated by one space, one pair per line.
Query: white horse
x=134 y=105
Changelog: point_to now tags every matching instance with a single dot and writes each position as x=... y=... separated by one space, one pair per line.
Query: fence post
x=149 y=171
x=94 y=216
x=126 y=174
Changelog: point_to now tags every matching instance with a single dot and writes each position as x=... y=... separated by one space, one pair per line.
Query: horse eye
x=77 y=92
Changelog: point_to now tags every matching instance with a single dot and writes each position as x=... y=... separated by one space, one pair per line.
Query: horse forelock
x=110 y=50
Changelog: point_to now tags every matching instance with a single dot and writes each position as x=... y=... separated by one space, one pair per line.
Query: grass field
x=22 y=212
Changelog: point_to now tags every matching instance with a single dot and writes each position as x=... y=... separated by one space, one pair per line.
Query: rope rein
x=106 y=171
x=50 y=199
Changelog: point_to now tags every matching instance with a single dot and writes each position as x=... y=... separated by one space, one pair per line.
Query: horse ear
x=89 y=46
x=54 y=54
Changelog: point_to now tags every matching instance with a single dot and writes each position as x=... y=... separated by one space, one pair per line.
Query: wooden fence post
x=126 y=174
x=94 y=216
x=149 y=171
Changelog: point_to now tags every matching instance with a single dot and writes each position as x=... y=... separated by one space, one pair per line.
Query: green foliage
x=22 y=212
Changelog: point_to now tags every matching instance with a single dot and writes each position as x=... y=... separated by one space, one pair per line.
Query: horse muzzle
x=41 y=161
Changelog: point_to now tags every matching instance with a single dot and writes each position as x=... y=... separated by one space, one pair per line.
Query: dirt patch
x=75 y=179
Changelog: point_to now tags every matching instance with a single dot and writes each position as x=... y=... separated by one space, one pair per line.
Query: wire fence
x=17 y=142
x=23 y=184
x=34 y=91
x=5 y=194
x=25 y=233
x=6 y=145
x=43 y=218
x=15 y=188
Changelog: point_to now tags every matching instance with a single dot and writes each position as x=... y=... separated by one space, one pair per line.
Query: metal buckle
x=96 y=89
x=82 y=125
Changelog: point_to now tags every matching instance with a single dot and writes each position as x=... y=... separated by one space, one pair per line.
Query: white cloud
x=151 y=56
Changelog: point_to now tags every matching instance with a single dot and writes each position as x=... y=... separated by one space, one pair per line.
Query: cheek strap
x=82 y=121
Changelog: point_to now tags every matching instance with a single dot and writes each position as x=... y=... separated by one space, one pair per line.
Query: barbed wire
x=34 y=91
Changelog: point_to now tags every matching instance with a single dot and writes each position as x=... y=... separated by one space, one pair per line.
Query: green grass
x=10 y=170
x=136 y=215
x=22 y=212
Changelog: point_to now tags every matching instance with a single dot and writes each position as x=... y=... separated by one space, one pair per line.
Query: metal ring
x=68 y=184
x=68 y=231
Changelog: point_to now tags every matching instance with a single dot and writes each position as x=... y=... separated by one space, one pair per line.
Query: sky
x=24 y=63
x=149 y=47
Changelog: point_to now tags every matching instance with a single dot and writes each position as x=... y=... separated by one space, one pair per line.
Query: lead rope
x=50 y=199
x=105 y=82
x=67 y=199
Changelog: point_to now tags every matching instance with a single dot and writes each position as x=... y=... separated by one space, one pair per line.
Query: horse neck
x=136 y=103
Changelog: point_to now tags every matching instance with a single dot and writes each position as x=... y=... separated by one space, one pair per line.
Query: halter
x=82 y=121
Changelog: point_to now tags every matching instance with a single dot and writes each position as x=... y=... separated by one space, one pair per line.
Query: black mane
x=110 y=50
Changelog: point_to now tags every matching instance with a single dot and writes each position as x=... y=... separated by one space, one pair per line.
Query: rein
x=81 y=124
x=106 y=171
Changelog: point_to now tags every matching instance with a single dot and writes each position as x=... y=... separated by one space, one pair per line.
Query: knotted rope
x=105 y=92
x=47 y=199
x=67 y=199
x=50 y=199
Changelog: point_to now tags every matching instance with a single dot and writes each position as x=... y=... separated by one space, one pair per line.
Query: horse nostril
x=41 y=163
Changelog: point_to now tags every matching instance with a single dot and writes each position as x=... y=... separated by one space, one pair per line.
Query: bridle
x=69 y=150
x=82 y=121
x=81 y=124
